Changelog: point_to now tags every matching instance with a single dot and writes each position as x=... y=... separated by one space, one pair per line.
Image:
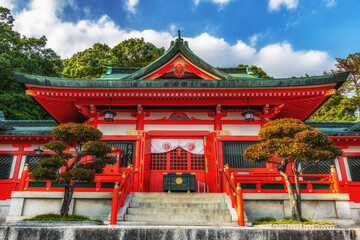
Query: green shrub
x=289 y=220
x=56 y=217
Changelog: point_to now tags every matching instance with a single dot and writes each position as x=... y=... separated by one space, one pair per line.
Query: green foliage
x=83 y=174
x=27 y=55
x=56 y=217
x=134 y=52
x=337 y=108
x=54 y=162
x=288 y=220
x=75 y=134
x=84 y=139
x=293 y=141
x=56 y=146
x=256 y=70
x=346 y=103
x=75 y=167
x=16 y=105
x=285 y=141
x=89 y=63
x=43 y=174
x=97 y=149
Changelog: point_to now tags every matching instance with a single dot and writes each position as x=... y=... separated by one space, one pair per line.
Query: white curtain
x=195 y=146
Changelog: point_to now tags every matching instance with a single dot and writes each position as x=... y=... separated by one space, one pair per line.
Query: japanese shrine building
x=178 y=115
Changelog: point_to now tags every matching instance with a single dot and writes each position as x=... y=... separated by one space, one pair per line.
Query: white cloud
x=130 y=5
x=282 y=60
x=10 y=4
x=219 y=2
x=278 y=60
x=66 y=38
x=253 y=40
x=330 y=3
x=274 y=5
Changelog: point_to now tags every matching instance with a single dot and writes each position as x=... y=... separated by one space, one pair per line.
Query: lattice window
x=178 y=159
x=5 y=165
x=233 y=155
x=34 y=159
x=322 y=167
x=197 y=162
x=354 y=165
x=158 y=161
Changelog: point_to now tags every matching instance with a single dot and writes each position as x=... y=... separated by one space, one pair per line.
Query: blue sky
x=284 y=37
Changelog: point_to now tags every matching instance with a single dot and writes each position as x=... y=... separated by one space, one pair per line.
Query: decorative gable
x=179 y=68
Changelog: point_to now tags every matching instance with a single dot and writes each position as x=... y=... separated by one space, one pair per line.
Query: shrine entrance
x=181 y=162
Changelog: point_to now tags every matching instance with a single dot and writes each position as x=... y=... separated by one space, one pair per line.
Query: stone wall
x=170 y=233
x=24 y=204
x=317 y=206
x=4 y=209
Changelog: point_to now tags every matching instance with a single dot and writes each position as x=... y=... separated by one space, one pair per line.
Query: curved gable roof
x=179 y=46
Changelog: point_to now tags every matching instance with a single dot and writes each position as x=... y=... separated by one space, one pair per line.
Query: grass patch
x=289 y=220
x=56 y=217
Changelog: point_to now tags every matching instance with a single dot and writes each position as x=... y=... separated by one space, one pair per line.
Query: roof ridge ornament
x=179 y=39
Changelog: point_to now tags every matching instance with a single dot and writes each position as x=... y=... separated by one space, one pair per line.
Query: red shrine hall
x=178 y=116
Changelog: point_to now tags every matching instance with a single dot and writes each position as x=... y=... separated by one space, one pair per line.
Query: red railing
x=235 y=194
x=232 y=185
x=120 y=192
x=249 y=177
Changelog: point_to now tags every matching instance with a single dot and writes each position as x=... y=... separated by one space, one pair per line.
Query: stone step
x=176 y=211
x=176 y=195
x=178 y=205
x=167 y=223
x=173 y=219
x=175 y=200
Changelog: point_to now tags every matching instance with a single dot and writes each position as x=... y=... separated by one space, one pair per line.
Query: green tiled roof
x=337 y=128
x=29 y=127
x=4 y=126
x=119 y=72
x=337 y=78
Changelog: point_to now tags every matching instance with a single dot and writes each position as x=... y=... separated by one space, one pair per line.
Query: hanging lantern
x=249 y=115
x=108 y=114
x=38 y=150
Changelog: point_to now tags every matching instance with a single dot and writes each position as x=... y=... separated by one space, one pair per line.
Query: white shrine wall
x=242 y=129
x=116 y=129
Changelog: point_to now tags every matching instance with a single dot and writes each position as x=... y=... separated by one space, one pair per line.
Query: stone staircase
x=178 y=209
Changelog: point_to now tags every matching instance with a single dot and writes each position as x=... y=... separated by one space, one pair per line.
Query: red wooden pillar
x=218 y=115
x=137 y=158
x=217 y=124
x=140 y=122
x=342 y=169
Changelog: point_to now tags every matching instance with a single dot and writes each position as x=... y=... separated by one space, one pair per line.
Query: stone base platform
x=170 y=233
x=320 y=207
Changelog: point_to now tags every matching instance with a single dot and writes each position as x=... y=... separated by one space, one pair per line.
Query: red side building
x=179 y=115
